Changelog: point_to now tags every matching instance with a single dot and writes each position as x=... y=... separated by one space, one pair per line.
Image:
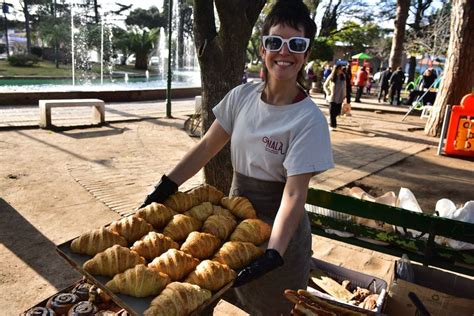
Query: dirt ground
x=50 y=187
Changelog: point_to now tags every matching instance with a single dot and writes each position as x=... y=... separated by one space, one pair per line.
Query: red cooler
x=460 y=137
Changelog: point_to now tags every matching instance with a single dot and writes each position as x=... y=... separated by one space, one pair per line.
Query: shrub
x=24 y=60
x=38 y=51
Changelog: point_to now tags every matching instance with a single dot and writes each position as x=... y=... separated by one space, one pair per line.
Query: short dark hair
x=293 y=13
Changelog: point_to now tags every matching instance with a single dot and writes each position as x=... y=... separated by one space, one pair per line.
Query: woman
x=335 y=88
x=279 y=140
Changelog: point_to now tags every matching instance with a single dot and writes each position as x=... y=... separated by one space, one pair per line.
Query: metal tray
x=135 y=306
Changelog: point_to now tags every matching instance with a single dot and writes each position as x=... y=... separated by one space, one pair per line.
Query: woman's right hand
x=161 y=192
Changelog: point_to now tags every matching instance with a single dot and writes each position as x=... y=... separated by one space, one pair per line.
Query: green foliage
x=150 y=18
x=141 y=44
x=321 y=49
x=38 y=51
x=55 y=32
x=356 y=35
x=23 y=60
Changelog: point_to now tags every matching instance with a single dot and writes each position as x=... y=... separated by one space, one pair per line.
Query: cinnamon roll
x=40 y=311
x=82 y=291
x=62 y=302
x=85 y=308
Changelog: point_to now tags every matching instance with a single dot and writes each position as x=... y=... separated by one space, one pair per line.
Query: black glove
x=162 y=191
x=266 y=263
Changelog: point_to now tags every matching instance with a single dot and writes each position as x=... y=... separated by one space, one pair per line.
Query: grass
x=48 y=69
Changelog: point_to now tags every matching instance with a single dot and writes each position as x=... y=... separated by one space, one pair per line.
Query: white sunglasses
x=295 y=44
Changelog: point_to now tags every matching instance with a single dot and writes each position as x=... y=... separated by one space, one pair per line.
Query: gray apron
x=264 y=296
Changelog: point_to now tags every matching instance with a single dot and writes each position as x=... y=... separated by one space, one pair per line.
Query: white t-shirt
x=271 y=142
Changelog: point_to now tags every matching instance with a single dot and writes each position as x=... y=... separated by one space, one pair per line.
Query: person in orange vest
x=360 y=82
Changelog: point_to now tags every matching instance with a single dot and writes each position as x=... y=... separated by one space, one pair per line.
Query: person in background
x=428 y=79
x=335 y=89
x=360 y=82
x=396 y=83
x=245 y=75
x=384 y=84
x=325 y=75
x=279 y=139
x=348 y=76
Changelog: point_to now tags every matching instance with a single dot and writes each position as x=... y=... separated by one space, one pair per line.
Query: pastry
x=219 y=210
x=156 y=214
x=131 y=227
x=237 y=254
x=180 y=226
x=239 y=206
x=40 y=311
x=100 y=299
x=201 y=245
x=82 y=291
x=211 y=275
x=113 y=260
x=62 y=302
x=139 y=281
x=219 y=225
x=85 y=308
x=181 y=202
x=201 y=211
x=153 y=244
x=175 y=263
x=207 y=193
x=178 y=299
x=96 y=241
x=255 y=231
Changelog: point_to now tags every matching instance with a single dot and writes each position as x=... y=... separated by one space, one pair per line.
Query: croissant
x=156 y=214
x=131 y=227
x=207 y=193
x=201 y=245
x=96 y=241
x=255 y=231
x=219 y=210
x=174 y=263
x=113 y=260
x=201 y=211
x=180 y=226
x=211 y=275
x=219 y=225
x=181 y=202
x=239 y=206
x=139 y=281
x=237 y=254
x=153 y=245
x=178 y=299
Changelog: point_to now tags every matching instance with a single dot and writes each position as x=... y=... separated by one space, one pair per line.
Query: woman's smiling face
x=283 y=65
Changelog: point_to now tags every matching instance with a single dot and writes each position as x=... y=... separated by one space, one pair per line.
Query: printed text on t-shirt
x=273 y=146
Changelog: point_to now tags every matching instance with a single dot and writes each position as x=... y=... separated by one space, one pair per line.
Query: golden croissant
x=95 y=241
x=219 y=210
x=237 y=254
x=131 y=227
x=219 y=225
x=255 y=231
x=175 y=263
x=211 y=275
x=178 y=299
x=239 y=206
x=201 y=211
x=153 y=245
x=181 y=202
x=156 y=214
x=113 y=260
x=139 y=281
x=201 y=245
x=180 y=226
x=207 y=193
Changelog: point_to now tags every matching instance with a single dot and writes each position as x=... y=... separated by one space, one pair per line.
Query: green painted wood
x=392 y=215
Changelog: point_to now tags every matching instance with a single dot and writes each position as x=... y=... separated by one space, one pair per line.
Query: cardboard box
x=441 y=292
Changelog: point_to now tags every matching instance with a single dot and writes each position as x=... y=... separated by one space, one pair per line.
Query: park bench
x=423 y=250
x=98 y=109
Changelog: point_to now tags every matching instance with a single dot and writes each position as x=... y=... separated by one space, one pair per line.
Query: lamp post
x=168 y=87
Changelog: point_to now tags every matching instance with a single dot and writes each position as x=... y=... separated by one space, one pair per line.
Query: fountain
x=83 y=79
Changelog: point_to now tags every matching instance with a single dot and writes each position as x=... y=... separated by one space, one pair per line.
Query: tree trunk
x=141 y=59
x=96 y=12
x=27 y=26
x=457 y=79
x=399 y=33
x=221 y=58
x=411 y=68
x=181 y=34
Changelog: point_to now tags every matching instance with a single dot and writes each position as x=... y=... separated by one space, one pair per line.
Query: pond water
x=181 y=78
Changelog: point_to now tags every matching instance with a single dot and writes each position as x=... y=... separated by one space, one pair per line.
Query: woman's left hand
x=270 y=260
